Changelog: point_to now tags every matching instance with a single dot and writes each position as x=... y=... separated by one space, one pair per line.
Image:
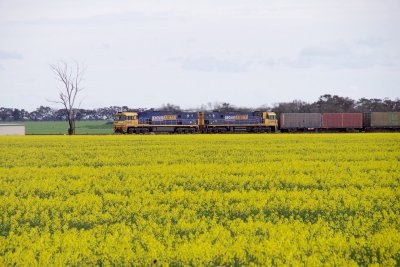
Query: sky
x=249 y=53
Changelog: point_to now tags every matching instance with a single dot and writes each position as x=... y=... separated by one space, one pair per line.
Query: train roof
x=125 y=113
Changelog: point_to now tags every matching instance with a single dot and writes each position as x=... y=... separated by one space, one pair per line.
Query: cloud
x=359 y=54
x=339 y=56
x=109 y=19
x=213 y=64
x=9 y=55
x=371 y=42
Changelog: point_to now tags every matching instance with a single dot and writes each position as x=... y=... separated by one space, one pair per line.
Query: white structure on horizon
x=12 y=129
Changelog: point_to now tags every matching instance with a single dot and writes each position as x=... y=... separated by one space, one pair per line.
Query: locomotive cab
x=270 y=120
x=123 y=121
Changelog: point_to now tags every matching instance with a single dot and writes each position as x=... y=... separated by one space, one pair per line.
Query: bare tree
x=71 y=77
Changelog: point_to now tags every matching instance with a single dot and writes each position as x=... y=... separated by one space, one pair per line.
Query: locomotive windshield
x=120 y=118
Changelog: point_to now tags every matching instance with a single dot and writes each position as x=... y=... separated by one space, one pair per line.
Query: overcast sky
x=249 y=53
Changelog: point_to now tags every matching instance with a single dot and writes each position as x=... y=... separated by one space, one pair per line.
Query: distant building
x=12 y=129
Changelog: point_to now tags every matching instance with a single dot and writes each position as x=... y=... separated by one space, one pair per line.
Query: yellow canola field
x=273 y=200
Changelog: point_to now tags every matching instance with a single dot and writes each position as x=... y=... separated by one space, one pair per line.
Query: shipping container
x=385 y=119
x=342 y=120
x=300 y=121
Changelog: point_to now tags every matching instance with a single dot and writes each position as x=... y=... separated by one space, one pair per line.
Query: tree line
x=44 y=113
x=334 y=103
x=325 y=103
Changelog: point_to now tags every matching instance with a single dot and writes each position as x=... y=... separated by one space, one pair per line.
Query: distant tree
x=89 y=114
x=3 y=114
x=393 y=104
x=17 y=114
x=71 y=77
x=364 y=105
x=296 y=106
x=59 y=115
x=265 y=107
x=390 y=105
x=107 y=113
x=223 y=107
x=227 y=107
x=205 y=107
x=24 y=114
x=42 y=114
x=80 y=114
x=329 y=103
x=169 y=107
x=6 y=114
x=377 y=105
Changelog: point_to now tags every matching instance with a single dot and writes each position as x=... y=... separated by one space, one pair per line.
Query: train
x=252 y=122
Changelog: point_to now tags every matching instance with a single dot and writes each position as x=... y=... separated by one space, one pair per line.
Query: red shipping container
x=342 y=120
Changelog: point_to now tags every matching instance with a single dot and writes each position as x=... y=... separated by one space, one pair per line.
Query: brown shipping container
x=342 y=120
x=300 y=120
x=385 y=119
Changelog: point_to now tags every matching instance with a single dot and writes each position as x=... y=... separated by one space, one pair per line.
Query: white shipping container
x=12 y=129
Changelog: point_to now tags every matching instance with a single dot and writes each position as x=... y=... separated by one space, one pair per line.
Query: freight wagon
x=342 y=121
x=376 y=121
x=194 y=122
x=292 y=122
x=321 y=122
x=339 y=122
